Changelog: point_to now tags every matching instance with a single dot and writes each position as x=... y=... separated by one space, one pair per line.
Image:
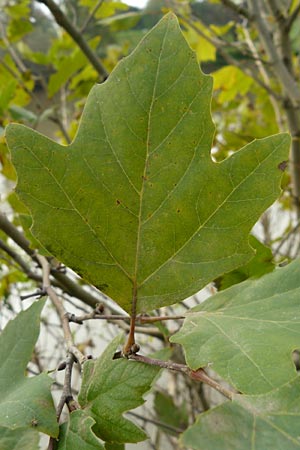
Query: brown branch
x=291 y=19
x=90 y=17
x=237 y=8
x=96 y=314
x=63 y=315
x=67 y=396
x=156 y=422
x=62 y=20
x=196 y=375
x=287 y=81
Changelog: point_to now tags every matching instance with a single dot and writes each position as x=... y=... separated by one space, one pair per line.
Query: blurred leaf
x=167 y=412
x=261 y=422
x=255 y=268
x=123 y=21
x=204 y=49
x=248 y=332
x=24 y=402
x=231 y=82
x=112 y=387
x=21 y=114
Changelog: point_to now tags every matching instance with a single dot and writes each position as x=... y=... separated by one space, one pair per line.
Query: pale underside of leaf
x=247 y=333
x=135 y=204
x=259 y=423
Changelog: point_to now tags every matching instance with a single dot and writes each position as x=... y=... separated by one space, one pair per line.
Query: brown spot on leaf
x=282 y=166
x=118 y=202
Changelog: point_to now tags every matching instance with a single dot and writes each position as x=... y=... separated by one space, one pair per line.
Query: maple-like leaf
x=135 y=204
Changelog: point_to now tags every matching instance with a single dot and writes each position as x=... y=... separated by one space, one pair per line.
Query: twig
x=287 y=82
x=90 y=17
x=139 y=319
x=67 y=396
x=71 y=348
x=196 y=375
x=63 y=21
x=156 y=422
x=228 y=58
x=286 y=238
x=291 y=19
x=237 y=8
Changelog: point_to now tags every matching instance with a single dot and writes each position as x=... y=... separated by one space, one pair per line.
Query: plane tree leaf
x=135 y=204
x=24 y=402
x=112 y=387
x=248 y=332
x=250 y=422
x=77 y=433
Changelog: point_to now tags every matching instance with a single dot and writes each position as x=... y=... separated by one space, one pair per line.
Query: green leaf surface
x=248 y=332
x=112 y=387
x=24 y=439
x=135 y=204
x=77 y=434
x=24 y=402
x=261 y=422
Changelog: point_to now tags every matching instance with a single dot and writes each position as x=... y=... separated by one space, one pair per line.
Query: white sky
x=137 y=3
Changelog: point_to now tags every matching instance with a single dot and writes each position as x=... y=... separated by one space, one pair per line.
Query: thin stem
x=63 y=21
x=90 y=17
x=196 y=375
x=63 y=315
x=156 y=422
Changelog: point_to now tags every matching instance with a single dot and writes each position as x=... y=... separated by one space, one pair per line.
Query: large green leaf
x=76 y=434
x=135 y=204
x=112 y=387
x=21 y=438
x=24 y=402
x=261 y=422
x=247 y=333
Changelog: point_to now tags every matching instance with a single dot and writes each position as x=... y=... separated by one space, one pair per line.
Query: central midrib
x=138 y=243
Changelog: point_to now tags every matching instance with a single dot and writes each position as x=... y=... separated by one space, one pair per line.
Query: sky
x=137 y=3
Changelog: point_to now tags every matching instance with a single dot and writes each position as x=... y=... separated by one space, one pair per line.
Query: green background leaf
x=112 y=387
x=135 y=204
x=24 y=401
x=255 y=268
x=247 y=333
x=261 y=422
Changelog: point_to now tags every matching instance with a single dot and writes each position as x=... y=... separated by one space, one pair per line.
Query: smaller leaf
x=24 y=402
x=260 y=422
x=77 y=433
x=112 y=387
x=248 y=332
